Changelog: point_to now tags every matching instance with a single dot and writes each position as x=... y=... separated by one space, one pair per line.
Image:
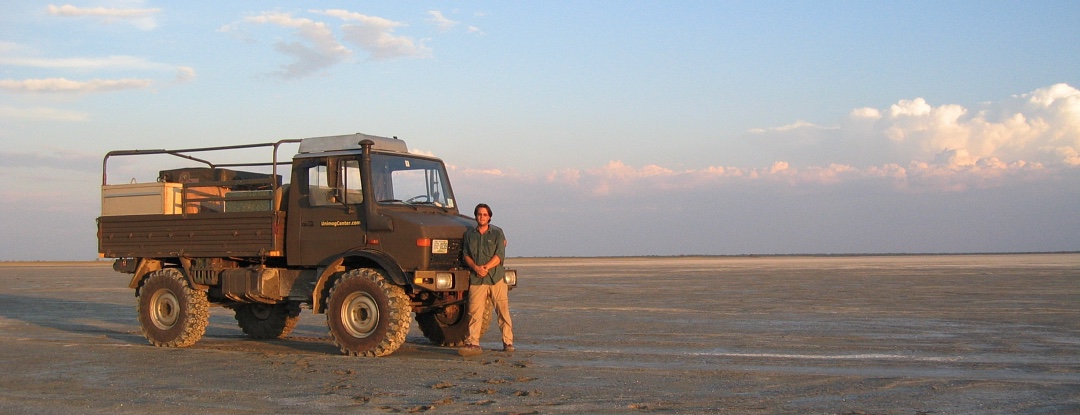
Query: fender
x=379 y=259
x=146 y=266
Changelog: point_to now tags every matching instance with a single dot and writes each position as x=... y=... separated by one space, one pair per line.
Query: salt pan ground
x=948 y=334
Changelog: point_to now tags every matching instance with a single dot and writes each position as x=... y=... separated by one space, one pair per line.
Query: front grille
x=450 y=260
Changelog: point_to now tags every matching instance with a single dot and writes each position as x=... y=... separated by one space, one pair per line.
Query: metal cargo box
x=141 y=199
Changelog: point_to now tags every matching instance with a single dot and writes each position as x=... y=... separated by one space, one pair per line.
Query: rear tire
x=267 y=321
x=171 y=313
x=367 y=315
x=449 y=326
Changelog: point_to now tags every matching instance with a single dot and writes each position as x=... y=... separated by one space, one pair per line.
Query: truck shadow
x=73 y=316
x=119 y=323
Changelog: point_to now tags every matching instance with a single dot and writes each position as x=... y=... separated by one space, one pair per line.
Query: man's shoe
x=470 y=350
x=509 y=348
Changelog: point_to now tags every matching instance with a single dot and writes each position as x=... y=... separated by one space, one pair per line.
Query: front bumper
x=454 y=280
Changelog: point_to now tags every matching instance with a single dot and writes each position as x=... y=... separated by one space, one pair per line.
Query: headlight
x=444 y=280
x=510 y=277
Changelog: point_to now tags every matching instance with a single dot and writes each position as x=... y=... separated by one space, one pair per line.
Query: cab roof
x=350 y=142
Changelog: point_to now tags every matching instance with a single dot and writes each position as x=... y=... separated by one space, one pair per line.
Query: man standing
x=484 y=251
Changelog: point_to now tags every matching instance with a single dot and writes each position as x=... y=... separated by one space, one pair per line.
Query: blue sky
x=591 y=127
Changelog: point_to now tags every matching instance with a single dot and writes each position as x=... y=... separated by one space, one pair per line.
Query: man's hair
x=476 y=210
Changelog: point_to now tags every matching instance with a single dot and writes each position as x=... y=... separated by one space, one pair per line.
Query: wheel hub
x=164 y=309
x=360 y=314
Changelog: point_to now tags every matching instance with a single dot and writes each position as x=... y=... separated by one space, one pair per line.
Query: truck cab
x=383 y=201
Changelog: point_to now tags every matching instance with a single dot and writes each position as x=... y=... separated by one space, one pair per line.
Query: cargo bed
x=222 y=234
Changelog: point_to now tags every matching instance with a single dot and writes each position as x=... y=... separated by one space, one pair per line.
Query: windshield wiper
x=436 y=204
x=399 y=201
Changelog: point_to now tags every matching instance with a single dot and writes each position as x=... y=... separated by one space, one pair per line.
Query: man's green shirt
x=481 y=248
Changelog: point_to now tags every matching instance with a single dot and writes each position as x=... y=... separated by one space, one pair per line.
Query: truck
x=358 y=229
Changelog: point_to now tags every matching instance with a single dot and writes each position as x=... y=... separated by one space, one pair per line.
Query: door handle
x=307 y=223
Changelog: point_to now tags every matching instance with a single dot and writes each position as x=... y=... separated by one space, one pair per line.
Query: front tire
x=267 y=321
x=367 y=315
x=171 y=313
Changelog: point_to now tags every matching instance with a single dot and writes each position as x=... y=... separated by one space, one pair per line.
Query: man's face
x=483 y=217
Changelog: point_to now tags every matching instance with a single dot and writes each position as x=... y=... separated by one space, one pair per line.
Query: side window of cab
x=331 y=180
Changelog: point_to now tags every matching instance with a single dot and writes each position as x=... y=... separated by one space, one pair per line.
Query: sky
x=592 y=128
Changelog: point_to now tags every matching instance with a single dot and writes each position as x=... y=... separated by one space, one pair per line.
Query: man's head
x=476 y=210
x=482 y=212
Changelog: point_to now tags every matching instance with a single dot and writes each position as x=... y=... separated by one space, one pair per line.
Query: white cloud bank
x=1041 y=127
x=622 y=210
x=909 y=178
x=909 y=147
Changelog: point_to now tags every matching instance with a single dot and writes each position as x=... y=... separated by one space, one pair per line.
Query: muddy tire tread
x=398 y=314
x=195 y=315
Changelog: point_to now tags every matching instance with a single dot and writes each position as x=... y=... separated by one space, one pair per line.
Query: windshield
x=408 y=180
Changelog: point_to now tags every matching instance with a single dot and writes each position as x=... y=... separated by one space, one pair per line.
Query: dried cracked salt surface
x=986 y=334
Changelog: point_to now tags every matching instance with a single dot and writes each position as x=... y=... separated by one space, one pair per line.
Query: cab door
x=325 y=215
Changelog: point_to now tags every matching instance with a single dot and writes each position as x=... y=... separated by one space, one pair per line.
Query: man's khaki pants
x=478 y=296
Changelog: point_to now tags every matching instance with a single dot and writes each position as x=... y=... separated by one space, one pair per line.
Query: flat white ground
x=978 y=334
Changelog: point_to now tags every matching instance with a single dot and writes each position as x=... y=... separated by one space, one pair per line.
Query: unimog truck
x=362 y=231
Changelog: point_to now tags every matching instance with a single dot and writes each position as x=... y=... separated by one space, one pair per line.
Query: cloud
x=63 y=85
x=42 y=114
x=798 y=125
x=445 y=24
x=184 y=74
x=376 y=36
x=1038 y=126
x=317 y=49
x=82 y=64
x=485 y=172
x=141 y=18
x=109 y=62
x=440 y=21
x=1069 y=155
